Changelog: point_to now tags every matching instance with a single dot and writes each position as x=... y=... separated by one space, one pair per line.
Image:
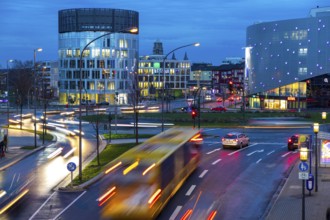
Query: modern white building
x=108 y=65
x=287 y=62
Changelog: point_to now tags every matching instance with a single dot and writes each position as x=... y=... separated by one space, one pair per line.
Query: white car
x=235 y=139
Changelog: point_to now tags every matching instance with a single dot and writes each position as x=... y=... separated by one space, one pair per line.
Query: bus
x=144 y=178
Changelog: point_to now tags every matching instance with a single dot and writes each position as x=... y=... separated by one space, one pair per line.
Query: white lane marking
x=215 y=150
x=284 y=155
x=236 y=151
x=19 y=175
x=176 y=212
x=259 y=160
x=203 y=174
x=12 y=181
x=191 y=189
x=271 y=152
x=43 y=204
x=256 y=151
x=217 y=161
x=69 y=205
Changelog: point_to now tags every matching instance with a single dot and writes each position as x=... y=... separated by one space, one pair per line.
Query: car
x=235 y=139
x=219 y=108
x=293 y=142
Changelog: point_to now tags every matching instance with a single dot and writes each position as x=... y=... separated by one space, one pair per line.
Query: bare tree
x=20 y=79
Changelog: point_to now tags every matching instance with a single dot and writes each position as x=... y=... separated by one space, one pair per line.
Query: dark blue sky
x=219 y=25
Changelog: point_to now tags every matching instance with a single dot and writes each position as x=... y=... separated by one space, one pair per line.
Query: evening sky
x=219 y=25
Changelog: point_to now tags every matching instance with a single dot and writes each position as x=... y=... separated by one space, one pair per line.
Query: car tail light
x=289 y=140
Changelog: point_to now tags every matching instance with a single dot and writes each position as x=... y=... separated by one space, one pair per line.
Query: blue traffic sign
x=71 y=166
x=303 y=166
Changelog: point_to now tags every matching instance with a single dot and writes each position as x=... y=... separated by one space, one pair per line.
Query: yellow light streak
x=113 y=167
x=154 y=196
x=148 y=169
x=13 y=201
x=130 y=168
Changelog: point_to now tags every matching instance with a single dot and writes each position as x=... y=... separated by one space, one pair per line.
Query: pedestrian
x=5 y=141
x=2 y=152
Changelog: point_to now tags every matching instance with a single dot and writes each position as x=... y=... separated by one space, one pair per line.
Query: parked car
x=219 y=108
x=235 y=139
x=293 y=142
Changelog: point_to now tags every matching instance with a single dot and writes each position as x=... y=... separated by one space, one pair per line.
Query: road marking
x=175 y=213
x=69 y=205
x=256 y=151
x=236 y=151
x=259 y=160
x=271 y=152
x=215 y=150
x=191 y=189
x=12 y=181
x=43 y=204
x=203 y=174
x=284 y=155
x=217 y=161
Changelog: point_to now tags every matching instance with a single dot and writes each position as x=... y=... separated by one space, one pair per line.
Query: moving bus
x=144 y=178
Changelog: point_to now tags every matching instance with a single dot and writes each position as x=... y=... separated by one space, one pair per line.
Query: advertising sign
x=325 y=153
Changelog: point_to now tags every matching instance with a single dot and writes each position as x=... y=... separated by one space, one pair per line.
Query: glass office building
x=287 y=62
x=109 y=64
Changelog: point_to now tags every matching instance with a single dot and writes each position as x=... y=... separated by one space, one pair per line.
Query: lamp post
x=163 y=87
x=8 y=61
x=303 y=158
x=131 y=30
x=34 y=95
x=324 y=116
x=316 y=130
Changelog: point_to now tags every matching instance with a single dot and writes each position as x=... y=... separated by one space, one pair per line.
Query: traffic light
x=230 y=86
x=193 y=113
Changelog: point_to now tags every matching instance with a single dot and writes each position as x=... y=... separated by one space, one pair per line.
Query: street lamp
x=8 y=61
x=316 y=130
x=163 y=88
x=131 y=30
x=34 y=95
x=324 y=116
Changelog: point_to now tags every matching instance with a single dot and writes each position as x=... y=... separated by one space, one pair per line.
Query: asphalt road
x=237 y=184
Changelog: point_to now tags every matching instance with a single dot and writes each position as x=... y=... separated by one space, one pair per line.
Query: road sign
x=303 y=175
x=71 y=166
x=303 y=166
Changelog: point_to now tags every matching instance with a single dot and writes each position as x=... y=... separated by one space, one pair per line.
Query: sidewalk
x=288 y=204
x=16 y=140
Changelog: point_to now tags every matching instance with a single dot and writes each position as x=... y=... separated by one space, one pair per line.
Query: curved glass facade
x=283 y=55
x=109 y=64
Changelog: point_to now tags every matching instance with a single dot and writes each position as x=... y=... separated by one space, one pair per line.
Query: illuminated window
x=123 y=43
x=105 y=52
x=68 y=53
x=96 y=52
x=302 y=70
x=302 y=51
